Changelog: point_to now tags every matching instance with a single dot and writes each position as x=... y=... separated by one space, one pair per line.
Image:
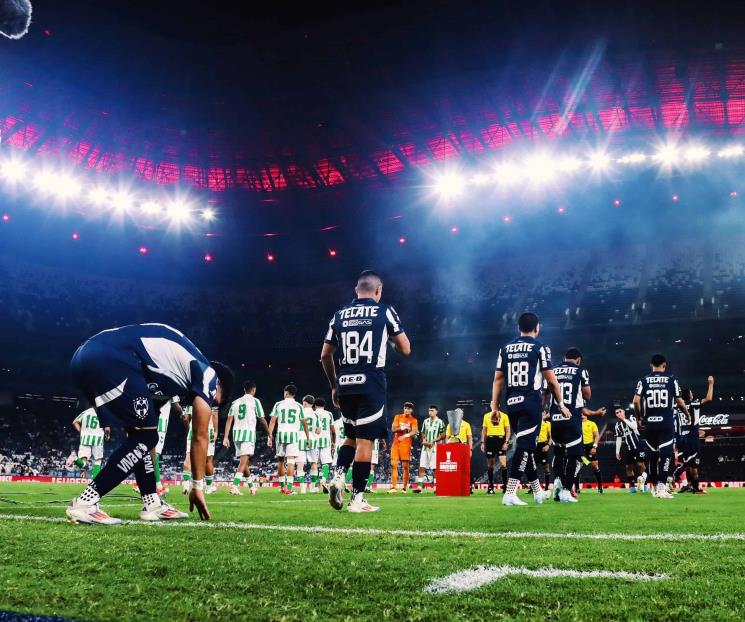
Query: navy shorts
x=588 y=455
x=526 y=425
x=114 y=382
x=689 y=450
x=632 y=456
x=568 y=437
x=660 y=440
x=364 y=416
x=541 y=457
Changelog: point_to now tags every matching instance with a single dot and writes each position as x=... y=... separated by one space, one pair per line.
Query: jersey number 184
x=353 y=347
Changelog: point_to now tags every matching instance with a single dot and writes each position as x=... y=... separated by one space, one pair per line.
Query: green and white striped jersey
x=310 y=416
x=165 y=414
x=325 y=421
x=246 y=410
x=187 y=411
x=340 y=434
x=432 y=428
x=91 y=432
x=288 y=413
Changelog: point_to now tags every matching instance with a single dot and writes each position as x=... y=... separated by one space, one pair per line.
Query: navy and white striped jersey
x=690 y=425
x=360 y=332
x=629 y=436
x=571 y=379
x=523 y=361
x=172 y=365
x=658 y=391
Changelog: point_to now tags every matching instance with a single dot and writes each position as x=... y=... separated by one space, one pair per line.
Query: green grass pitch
x=240 y=569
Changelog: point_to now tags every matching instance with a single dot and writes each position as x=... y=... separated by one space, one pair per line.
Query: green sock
x=186 y=476
x=95 y=470
x=237 y=480
x=208 y=480
x=157 y=470
x=283 y=482
x=325 y=471
x=250 y=480
x=314 y=479
x=348 y=476
x=370 y=479
x=80 y=463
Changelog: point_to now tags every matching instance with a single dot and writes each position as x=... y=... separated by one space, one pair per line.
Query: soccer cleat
x=600 y=489
x=490 y=490
x=540 y=497
x=359 y=504
x=392 y=491
x=512 y=500
x=640 y=481
x=700 y=491
x=416 y=491
x=89 y=514
x=566 y=497
x=670 y=485
x=210 y=490
x=162 y=512
x=252 y=490
x=632 y=490
x=234 y=490
x=291 y=492
x=336 y=493
x=662 y=492
x=325 y=488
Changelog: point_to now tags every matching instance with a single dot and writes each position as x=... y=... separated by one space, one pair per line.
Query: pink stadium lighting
x=733 y=194
x=675 y=197
x=75 y=235
x=616 y=202
x=332 y=252
x=402 y=240
x=454 y=229
x=143 y=250
x=208 y=258
x=270 y=257
x=561 y=210
x=507 y=219
x=6 y=217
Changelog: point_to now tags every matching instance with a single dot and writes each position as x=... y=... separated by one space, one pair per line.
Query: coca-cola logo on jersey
x=713 y=420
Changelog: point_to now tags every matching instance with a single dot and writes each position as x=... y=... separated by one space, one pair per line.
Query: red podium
x=453 y=470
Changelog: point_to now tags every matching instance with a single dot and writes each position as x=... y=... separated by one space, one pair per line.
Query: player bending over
x=209 y=471
x=357 y=337
x=242 y=417
x=630 y=449
x=689 y=438
x=92 y=437
x=287 y=415
x=433 y=433
x=656 y=395
x=122 y=371
x=522 y=366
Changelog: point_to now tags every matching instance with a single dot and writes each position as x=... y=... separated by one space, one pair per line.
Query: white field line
x=362 y=531
x=474 y=578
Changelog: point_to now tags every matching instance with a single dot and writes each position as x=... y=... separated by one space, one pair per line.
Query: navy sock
x=599 y=478
x=360 y=473
x=344 y=459
x=503 y=470
x=145 y=475
x=490 y=474
x=125 y=459
x=567 y=478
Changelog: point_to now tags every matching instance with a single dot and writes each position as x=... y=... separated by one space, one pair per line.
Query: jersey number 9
x=354 y=348
x=242 y=412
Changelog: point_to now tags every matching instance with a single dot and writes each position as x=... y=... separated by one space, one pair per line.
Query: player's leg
x=406 y=473
x=300 y=462
x=666 y=466
x=240 y=472
x=630 y=474
x=558 y=465
x=281 y=469
x=292 y=455
x=314 y=473
x=641 y=465
x=573 y=452
x=523 y=461
x=503 y=470
x=209 y=473
x=84 y=453
x=394 y=467
x=595 y=464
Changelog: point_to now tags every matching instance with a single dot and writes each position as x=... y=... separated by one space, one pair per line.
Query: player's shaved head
x=658 y=360
x=368 y=282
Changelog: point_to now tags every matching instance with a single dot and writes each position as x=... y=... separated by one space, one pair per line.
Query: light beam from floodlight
x=208 y=214
x=636 y=157
x=599 y=161
x=98 y=196
x=697 y=153
x=12 y=170
x=731 y=152
x=122 y=201
x=449 y=185
x=151 y=208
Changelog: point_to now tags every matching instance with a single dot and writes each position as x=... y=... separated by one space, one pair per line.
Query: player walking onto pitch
x=326 y=440
x=242 y=417
x=630 y=449
x=287 y=414
x=495 y=438
x=543 y=445
x=689 y=437
x=522 y=365
x=122 y=371
x=358 y=337
x=656 y=395
x=405 y=427
x=92 y=437
x=433 y=433
x=308 y=448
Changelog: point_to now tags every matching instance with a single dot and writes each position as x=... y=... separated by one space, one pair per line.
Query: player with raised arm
x=689 y=437
x=630 y=449
x=308 y=448
x=522 y=365
x=244 y=413
x=287 y=415
x=326 y=440
x=433 y=433
x=656 y=395
x=358 y=336
x=574 y=382
x=495 y=439
x=122 y=371
x=92 y=437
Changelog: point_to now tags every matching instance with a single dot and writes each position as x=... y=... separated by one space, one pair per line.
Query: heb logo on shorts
x=448 y=466
x=352 y=379
x=515 y=400
x=141 y=407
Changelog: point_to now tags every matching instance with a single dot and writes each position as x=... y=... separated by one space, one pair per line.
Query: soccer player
x=340 y=437
x=543 y=444
x=405 y=427
x=590 y=441
x=164 y=416
x=574 y=382
x=209 y=469
x=308 y=449
x=92 y=437
x=287 y=414
x=358 y=337
x=326 y=440
x=374 y=461
x=244 y=413
x=122 y=371
x=522 y=365
x=630 y=441
x=433 y=433
x=689 y=437
x=656 y=394
x=495 y=438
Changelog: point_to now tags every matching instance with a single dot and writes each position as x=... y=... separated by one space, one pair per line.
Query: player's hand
x=226 y=442
x=482 y=447
x=196 y=500
x=710 y=380
x=602 y=410
x=269 y=442
x=618 y=457
x=545 y=449
x=593 y=451
x=504 y=447
x=335 y=397
x=566 y=412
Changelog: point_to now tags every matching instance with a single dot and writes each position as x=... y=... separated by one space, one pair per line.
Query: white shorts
x=244 y=448
x=286 y=450
x=374 y=458
x=161 y=442
x=86 y=451
x=307 y=455
x=324 y=455
x=428 y=458
x=336 y=455
x=210 y=448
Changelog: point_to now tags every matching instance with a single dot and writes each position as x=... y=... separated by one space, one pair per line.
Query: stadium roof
x=303 y=113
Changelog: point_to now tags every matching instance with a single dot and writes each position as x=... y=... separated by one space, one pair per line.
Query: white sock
x=151 y=500
x=535 y=486
x=89 y=496
x=512 y=486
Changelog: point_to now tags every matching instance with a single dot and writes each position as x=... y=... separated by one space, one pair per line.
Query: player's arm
x=176 y=409
x=555 y=388
x=333 y=435
x=329 y=368
x=507 y=435
x=618 y=447
x=307 y=429
x=107 y=433
x=682 y=405
x=589 y=412
x=483 y=437
x=709 y=392
x=401 y=344
x=76 y=425
x=201 y=416
x=496 y=389
x=228 y=426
